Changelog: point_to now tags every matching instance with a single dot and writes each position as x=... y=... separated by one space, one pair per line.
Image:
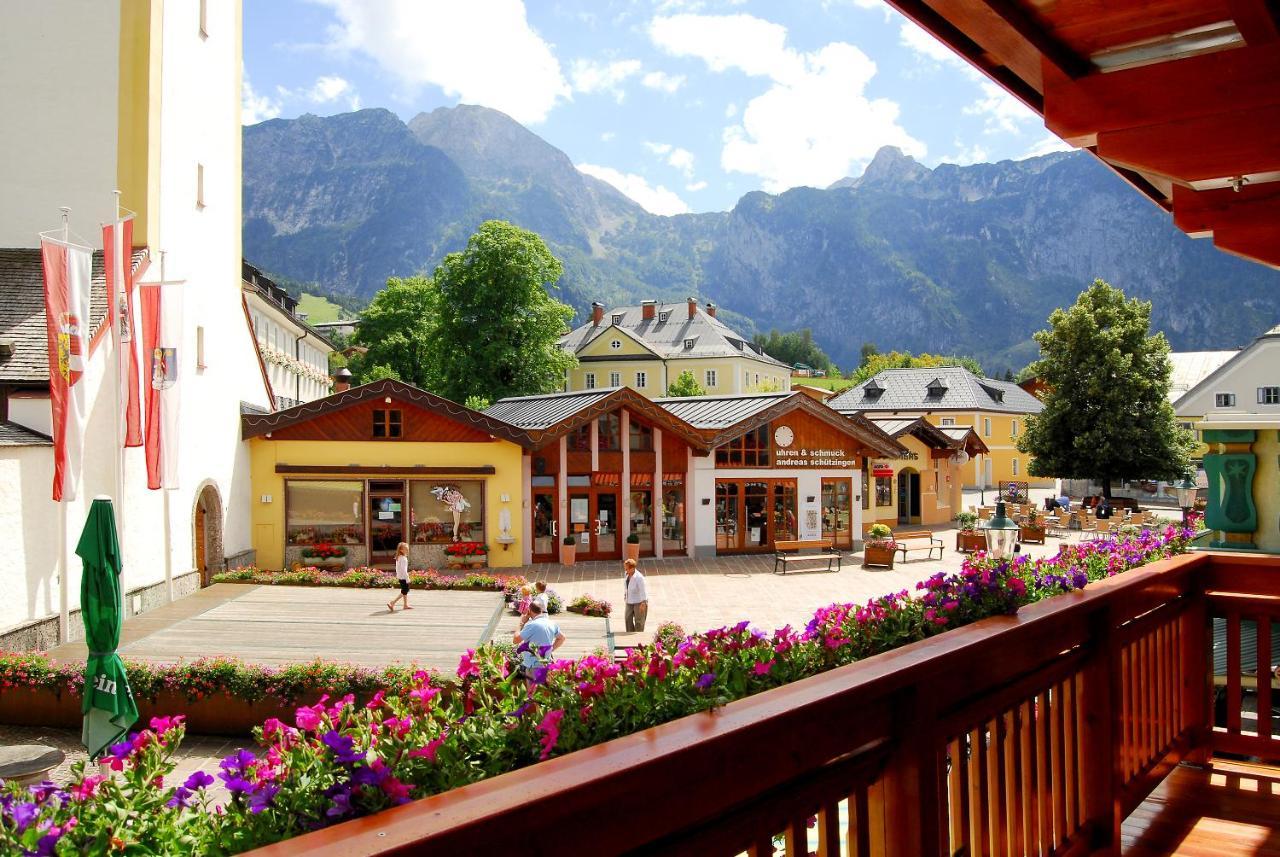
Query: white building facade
x=295 y=356
x=141 y=96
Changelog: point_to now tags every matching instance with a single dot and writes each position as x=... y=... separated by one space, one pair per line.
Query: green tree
x=1106 y=410
x=496 y=327
x=477 y=403
x=876 y=363
x=685 y=385
x=794 y=347
x=869 y=350
x=397 y=327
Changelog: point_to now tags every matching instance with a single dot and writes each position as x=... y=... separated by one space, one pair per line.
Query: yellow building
x=646 y=347
x=953 y=397
x=367 y=468
x=923 y=484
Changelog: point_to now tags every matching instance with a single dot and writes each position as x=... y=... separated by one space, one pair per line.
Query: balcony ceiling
x=1180 y=97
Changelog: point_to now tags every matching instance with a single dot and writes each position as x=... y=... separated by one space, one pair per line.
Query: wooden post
x=1101 y=728
x=624 y=501
x=908 y=799
x=562 y=488
x=1197 y=684
x=656 y=504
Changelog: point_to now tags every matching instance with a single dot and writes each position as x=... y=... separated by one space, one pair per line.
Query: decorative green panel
x=1231 y=508
x=1230 y=435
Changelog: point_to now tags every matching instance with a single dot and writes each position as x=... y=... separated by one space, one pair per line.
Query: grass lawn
x=834 y=384
x=319 y=309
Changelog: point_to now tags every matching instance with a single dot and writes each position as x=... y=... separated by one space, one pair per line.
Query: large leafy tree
x=1106 y=410
x=874 y=363
x=397 y=328
x=796 y=346
x=496 y=326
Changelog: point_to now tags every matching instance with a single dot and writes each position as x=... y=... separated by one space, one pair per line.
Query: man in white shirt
x=637 y=597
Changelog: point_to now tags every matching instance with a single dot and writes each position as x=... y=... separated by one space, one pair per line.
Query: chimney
x=693 y=307
x=342 y=380
x=711 y=309
x=648 y=309
x=597 y=313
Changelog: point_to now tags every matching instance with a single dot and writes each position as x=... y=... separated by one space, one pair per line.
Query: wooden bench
x=791 y=550
x=917 y=540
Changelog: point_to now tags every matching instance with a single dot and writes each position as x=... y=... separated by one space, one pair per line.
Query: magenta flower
x=428 y=751
x=467 y=665
x=308 y=719
x=763 y=667
x=550 y=729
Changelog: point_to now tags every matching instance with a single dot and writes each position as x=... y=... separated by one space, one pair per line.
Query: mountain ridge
x=952 y=259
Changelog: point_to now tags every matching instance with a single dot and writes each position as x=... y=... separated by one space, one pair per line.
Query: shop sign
x=880 y=470
x=814 y=458
x=910 y=456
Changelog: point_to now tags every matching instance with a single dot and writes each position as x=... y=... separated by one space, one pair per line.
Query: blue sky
x=684 y=105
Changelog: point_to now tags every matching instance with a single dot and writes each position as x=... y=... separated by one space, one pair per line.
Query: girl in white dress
x=402 y=575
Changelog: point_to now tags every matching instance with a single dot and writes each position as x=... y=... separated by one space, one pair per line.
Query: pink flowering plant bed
x=371 y=578
x=337 y=760
x=589 y=605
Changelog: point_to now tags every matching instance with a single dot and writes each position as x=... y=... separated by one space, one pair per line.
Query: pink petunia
x=550 y=729
x=763 y=667
x=467 y=665
x=308 y=719
x=428 y=751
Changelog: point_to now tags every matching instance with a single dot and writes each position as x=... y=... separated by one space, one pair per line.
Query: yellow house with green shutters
x=647 y=347
x=953 y=397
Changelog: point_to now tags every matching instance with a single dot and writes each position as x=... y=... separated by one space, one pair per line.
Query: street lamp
x=1186 y=495
x=1001 y=533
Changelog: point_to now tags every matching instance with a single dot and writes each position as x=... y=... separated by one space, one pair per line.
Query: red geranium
x=466 y=549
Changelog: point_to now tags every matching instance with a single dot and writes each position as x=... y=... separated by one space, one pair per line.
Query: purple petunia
x=263 y=796
x=198 y=780
x=238 y=760
x=343 y=747
x=235 y=783
x=181 y=798
x=705 y=680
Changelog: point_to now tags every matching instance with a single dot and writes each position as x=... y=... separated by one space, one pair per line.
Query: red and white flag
x=117 y=256
x=162 y=374
x=67 y=270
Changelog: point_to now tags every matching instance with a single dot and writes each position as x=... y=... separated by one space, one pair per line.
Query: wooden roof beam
x=1257 y=20
x=1239 y=79
x=1257 y=244
x=1220 y=146
x=1208 y=211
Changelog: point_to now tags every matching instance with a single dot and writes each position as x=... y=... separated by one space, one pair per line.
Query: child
x=402 y=575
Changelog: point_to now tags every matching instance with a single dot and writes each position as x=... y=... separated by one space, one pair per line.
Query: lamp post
x=1186 y=495
x=1001 y=533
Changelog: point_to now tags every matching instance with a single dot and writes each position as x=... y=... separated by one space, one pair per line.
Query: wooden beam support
x=1203 y=212
x=1063 y=59
x=1256 y=245
x=1257 y=20
x=1200 y=149
x=980 y=35
x=1236 y=80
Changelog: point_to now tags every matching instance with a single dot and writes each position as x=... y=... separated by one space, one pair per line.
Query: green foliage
x=967 y=521
x=398 y=329
x=496 y=327
x=1106 y=412
x=685 y=385
x=875 y=363
x=477 y=403
x=867 y=351
x=793 y=347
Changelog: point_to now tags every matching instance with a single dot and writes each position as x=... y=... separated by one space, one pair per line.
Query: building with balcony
x=646 y=347
x=294 y=354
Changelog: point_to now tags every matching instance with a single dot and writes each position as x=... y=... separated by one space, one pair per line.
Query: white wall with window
x=297 y=363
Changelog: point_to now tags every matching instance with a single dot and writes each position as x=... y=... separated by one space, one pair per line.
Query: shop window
x=673 y=512
x=579 y=440
x=750 y=450
x=610 y=429
x=641 y=437
x=711 y=378
x=443 y=512
x=591 y=380
x=642 y=380
x=1224 y=400
x=388 y=423
x=884 y=490
x=641 y=514
x=324 y=511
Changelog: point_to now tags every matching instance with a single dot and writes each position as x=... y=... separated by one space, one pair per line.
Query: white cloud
x=328 y=88
x=663 y=82
x=730 y=110
x=1002 y=112
x=607 y=136
x=255 y=108
x=1048 y=145
x=975 y=154
x=655 y=200
x=674 y=156
x=695 y=186
x=590 y=76
x=814 y=124
x=481 y=52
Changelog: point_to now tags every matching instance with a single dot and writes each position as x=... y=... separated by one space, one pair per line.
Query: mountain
x=967 y=259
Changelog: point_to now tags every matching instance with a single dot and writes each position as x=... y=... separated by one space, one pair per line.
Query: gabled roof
x=965 y=438
x=545 y=418
x=1192 y=367
x=1225 y=368
x=711 y=336
x=918 y=427
x=22 y=311
x=256 y=425
x=12 y=434
x=723 y=418
x=953 y=389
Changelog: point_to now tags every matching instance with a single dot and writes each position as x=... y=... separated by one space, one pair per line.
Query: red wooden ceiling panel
x=1089 y=26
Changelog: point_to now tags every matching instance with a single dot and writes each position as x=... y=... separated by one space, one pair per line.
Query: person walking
x=538 y=638
x=637 y=599
x=402 y=575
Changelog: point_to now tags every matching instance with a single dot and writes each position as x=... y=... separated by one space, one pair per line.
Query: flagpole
x=64 y=554
x=118 y=251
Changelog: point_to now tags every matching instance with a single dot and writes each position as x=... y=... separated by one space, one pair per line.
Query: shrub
x=967 y=521
x=365 y=577
x=466 y=549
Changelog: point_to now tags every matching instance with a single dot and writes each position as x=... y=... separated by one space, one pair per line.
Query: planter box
x=1032 y=535
x=877 y=557
x=466 y=562
x=970 y=542
x=337 y=563
x=631 y=551
x=213 y=715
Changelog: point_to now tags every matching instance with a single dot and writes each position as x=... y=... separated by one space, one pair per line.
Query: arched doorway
x=207 y=533
x=908 y=496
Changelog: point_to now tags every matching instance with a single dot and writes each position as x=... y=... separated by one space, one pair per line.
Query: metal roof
x=537 y=413
x=1192 y=367
x=22 y=311
x=714 y=413
x=710 y=336
x=916 y=390
x=12 y=434
x=921 y=428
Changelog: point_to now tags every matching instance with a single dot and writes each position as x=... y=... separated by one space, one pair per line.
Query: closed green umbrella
x=109 y=709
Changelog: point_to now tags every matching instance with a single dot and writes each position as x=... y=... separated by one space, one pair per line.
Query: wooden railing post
x=1197 y=683
x=1102 y=731
x=910 y=790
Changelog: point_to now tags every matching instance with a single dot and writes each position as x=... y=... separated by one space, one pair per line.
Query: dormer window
x=617 y=318
x=688 y=344
x=873 y=389
x=663 y=316
x=996 y=395
x=937 y=388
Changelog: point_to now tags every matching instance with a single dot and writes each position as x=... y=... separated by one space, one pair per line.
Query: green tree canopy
x=793 y=347
x=496 y=327
x=1106 y=410
x=685 y=385
x=397 y=328
x=874 y=363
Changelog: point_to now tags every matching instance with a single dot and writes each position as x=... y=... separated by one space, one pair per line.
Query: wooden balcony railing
x=1030 y=734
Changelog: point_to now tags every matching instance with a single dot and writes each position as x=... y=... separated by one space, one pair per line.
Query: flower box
x=878 y=556
x=1031 y=534
x=218 y=714
x=971 y=541
x=478 y=561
